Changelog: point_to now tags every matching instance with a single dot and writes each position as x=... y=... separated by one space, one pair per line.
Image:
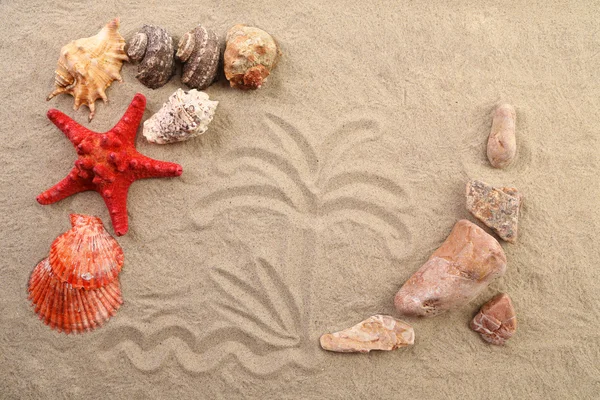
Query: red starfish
x=108 y=162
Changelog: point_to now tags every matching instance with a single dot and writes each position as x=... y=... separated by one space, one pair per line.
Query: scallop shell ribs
x=76 y=288
x=88 y=66
x=67 y=309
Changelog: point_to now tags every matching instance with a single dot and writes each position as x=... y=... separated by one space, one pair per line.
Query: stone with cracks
x=497 y=207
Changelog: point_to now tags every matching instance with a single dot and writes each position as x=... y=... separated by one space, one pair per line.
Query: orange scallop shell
x=67 y=309
x=86 y=256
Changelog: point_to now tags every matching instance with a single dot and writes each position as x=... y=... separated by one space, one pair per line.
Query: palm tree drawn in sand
x=312 y=192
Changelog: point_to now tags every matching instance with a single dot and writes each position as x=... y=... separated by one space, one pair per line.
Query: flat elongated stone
x=455 y=273
x=497 y=207
x=496 y=321
x=379 y=332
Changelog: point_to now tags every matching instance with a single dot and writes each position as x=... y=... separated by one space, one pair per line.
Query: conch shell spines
x=88 y=66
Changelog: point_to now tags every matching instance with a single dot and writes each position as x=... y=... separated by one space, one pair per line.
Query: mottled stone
x=496 y=322
x=460 y=269
x=250 y=56
x=502 y=142
x=379 y=332
x=497 y=207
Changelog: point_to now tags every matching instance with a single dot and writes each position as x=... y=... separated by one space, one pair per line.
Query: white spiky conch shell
x=185 y=115
x=88 y=66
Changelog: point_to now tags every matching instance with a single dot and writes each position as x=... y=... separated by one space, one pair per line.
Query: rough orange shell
x=88 y=66
x=66 y=309
x=86 y=256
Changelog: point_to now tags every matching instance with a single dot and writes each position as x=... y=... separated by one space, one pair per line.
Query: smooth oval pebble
x=502 y=143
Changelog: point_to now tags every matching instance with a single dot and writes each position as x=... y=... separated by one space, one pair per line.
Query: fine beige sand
x=309 y=202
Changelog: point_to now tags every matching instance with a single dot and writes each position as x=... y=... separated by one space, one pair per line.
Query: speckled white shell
x=184 y=116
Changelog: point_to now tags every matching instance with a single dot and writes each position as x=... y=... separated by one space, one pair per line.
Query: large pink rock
x=496 y=322
x=379 y=332
x=455 y=273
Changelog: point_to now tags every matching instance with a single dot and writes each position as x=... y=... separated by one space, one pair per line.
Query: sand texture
x=308 y=203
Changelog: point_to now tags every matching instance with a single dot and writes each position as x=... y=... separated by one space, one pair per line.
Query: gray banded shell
x=199 y=51
x=154 y=47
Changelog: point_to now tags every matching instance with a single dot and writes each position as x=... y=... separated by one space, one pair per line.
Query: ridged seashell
x=86 y=256
x=199 y=51
x=88 y=66
x=67 y=309
x=185 y=115
x=250 y=55
x=153 y=46
x=77 y=288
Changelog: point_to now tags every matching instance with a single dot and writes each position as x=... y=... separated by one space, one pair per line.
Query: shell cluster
x=152 y=46
x=184 y=116
x=88 y=66
x=76 y=288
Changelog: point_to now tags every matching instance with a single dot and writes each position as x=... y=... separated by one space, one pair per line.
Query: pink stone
x=496 y=322
x=459 y=270
x=379 y=332
x=497 y=207
x=502 y=143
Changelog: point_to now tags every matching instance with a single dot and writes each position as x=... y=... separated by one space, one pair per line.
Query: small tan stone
x=502 y=142
x=455 y=273
x=498 y=208
x=379 y=332
x=496 y=322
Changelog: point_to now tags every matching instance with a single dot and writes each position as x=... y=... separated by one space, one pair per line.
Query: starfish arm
x=146 y=167
x=70 y=185
x=72 y=130
x=115 y=198
x=126 y=128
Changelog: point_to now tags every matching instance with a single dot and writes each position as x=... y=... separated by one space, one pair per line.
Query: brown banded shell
x=88 y=66
x=199 y=51
x=153 y=47
x=250 y=56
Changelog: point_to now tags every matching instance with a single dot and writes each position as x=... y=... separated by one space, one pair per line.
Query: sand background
x=308 y=203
